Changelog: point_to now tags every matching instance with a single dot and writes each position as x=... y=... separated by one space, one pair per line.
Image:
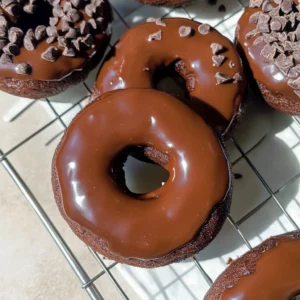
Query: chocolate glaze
x=63 y=66
x=269 y=271
x=172 y=215
x=136 y=60
x=266 y=73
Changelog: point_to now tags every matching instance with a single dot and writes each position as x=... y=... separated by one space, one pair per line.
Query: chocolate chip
x=297 y=32
x=7 y=2
x=67 y=18
x=296 y=46
x=269 y=38
x=67 y=7
x=89 y=10
x=263 y=27
x=185 y=31
x=77 y=44
x=218 y=60
x=283 y=22
x=51 y=31
x=3 y=31
x=50 y=54
x=294 y=84
x=297 y=93
x=293 y=73
x=288 y=46
x=30 y=9
x=284 y=63
x=29 y=43
x=30 y=32
x=275 y=25
x=237 y=77
x=53 y=21
x=277 y=1
x=74 y=15
x=266 y=7
x=3 y=43
x=15 y=35
x=93 y=23
x=71 y=34
x=85 y=28
x=251 y=34
x=23 y=69
x=65 y=26
x=282 y=36
x=62 y=41
x=255 y=3
x=278 y=47
x=296 y=55
x=57 y=12
x=5 y=59
x=69 y=52
x=263 y=18
x=216 y=48
x=297 y=67
x=76 y=3
x=254 y=17
x=160 y=22
x=258 y=40
x=292 y=36
x=88 y=40
x=53 y=2
x=204 y=29
x=13 y=9
x=268 y=53
x=11 y=49
x=275 y=12
x=222 y=8
x=51 y=39
x=40 y=32
x=231 y=64
x=222 y=78
x=286 y=6
x=156 y=36
x=151 y=20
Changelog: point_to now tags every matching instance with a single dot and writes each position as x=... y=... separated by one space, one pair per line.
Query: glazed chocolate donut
x=172 y=3
x=269 y=271
x=206 y=60
x=45 y=47
x=153 y=229
x=268 y=35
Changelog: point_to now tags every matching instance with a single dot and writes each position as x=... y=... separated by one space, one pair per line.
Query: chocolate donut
x=47 y=46
x=268 y=36
x=206 y=60
x=269 y=271
x=172 y=3
x=157 y=228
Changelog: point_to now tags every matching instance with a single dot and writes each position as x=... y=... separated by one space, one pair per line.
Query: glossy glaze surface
x=158 y=222
x=136 y=60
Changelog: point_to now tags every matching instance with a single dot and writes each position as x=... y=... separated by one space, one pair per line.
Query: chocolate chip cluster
x=68 y=29
x=278 y=28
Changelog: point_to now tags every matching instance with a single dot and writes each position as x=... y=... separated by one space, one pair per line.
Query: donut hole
x=41 y=17
x=168 y=80
x=136 y=174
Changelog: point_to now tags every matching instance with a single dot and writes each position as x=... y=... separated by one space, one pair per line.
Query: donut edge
x=245 y=265
x=207 y=232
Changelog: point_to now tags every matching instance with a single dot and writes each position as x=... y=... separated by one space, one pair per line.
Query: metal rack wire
x=87 y=282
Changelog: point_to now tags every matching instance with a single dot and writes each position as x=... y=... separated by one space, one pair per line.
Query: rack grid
x=86 y=281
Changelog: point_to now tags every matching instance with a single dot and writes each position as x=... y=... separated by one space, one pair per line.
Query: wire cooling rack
x=126 y=15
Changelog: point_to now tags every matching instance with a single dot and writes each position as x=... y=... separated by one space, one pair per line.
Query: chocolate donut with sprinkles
x=268 y=272
x=207 y=61
x=47 y=46
x=169 y=224
x=268 y=36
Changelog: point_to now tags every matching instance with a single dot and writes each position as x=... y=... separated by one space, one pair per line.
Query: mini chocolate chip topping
x=216 y=48
x=160 y=22
x=50 y=54
x=231 y=64
x=11 y=49
x=185 y=31
x=278 y=29
x=5 y=59
x=151 y=20
x=156 y=36
x=23 y=69
x=218 y=60
x=222 y=78
x=204 y=29
x=15 y=35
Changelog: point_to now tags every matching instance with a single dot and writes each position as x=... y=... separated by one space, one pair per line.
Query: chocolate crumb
x=221 y=78
x=204 y=29
x=237 y=176
x=160 y=22
x=222 y=8
x=69 y=52
x=23 y=69
x=218 y=60
x=156 y=36
x=185 y=31
x=50 y=54
x=231 y=64
x=11 y=49
x=151 y=20
x=146 y=69
x=5 y=59
x=229 y=261
x=216 y=48
x=237 y=77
